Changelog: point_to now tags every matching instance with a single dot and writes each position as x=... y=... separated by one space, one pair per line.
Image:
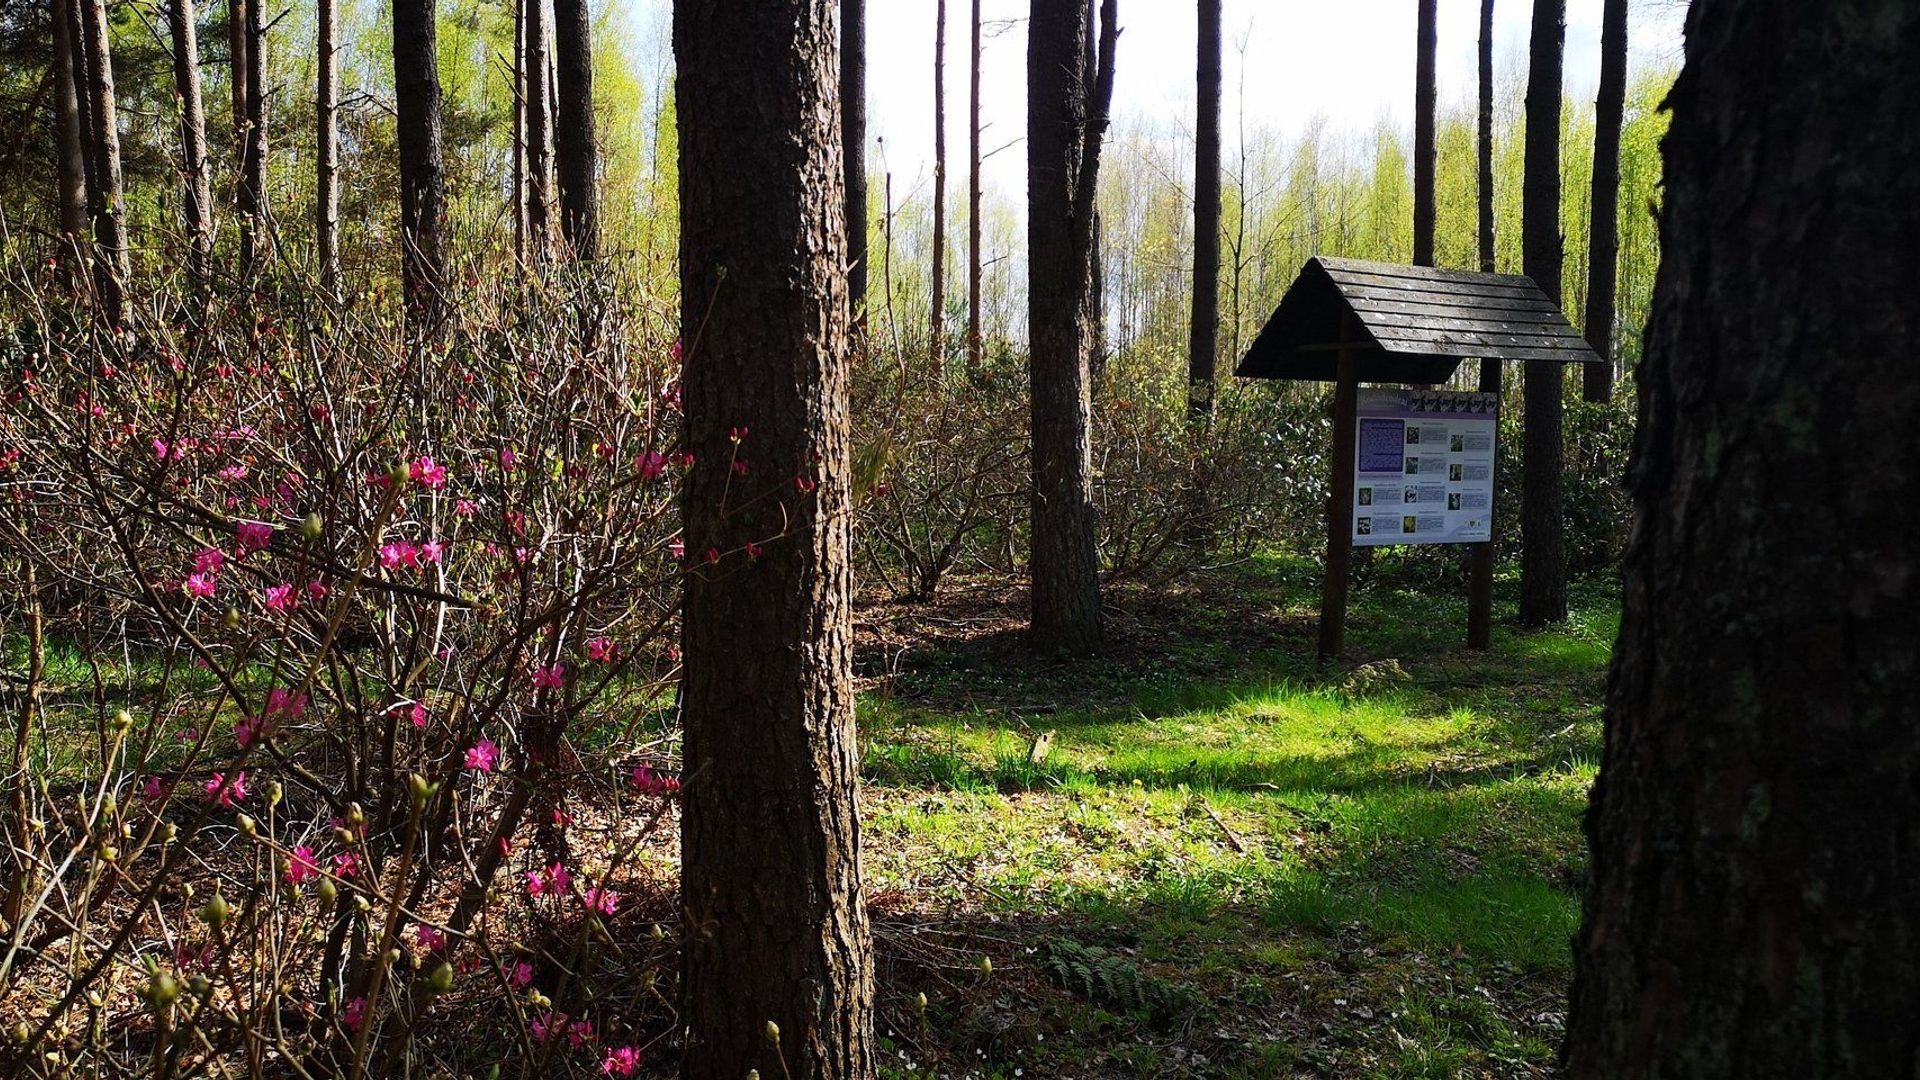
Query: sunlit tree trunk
x=975 y=347
x=776 y=924
x=423 y=173
x=197 y=200
x=520 y=130
x=1543 y=541
x=326 y=213
x=937 y=324
x=1755 y=872
x=246 y=201
x=1485 y=140
x=1424 y=107
x=853 y=135
x=539 y=135
x=69 y=136
x=1603 y=244
x=107 y=197
x=578 y=146
x=256 y=145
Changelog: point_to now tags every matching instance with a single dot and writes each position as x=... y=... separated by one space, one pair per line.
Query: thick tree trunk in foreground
x=69 y=136
x=1603 y=243
x=326 y=168
x=107 y=198
x=423 y=171
x=1755 y=879
x=539 y=134
x=578 y=146
x=1425 y=94
x=975 y=347
x=770 y=840
x=1543 y=539
x=1066 y=119
x=197 y=201
x=937 y=326
x=853 y=136
x=1203 y=338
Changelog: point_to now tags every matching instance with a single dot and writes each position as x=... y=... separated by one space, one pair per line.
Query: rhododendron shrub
x=339 y=609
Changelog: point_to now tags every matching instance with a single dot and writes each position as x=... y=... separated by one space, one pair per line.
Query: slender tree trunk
x=108 y=201
x=1487 y=255
x=975 y=347
x=197 y=201
x=539 y=136
x=578 y=145
x=1203 y=342
x=520 y=130
x=1603 y=243
x=13 y=897
x=770 y=837
x=1424 y=154
x=1755 y=874
x=853 y=135
x=1543 y=542
x=246 y=201
x=256 y=156
x=1066 y=120
x=937 y=324
x=423 y=173
x=69 y=138
x=326 y=214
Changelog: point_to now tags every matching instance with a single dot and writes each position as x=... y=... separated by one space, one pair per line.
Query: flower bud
x=21 y=1033
x=122 y=720
x=356 y=817
x=200 y=986
x=231 y=620
x=274 y=793
x=109 y=853
x=440 y=980
x=162 y=990
x=986 y=966
x=658 y=934
x=168 y=832
x=419 y=789
x=246 y=824
x=399 y=474
x=216 y=911
x=393 y=957
x=311 y=528
x=773 y=1033
x=328 y=891
x=920 y=1002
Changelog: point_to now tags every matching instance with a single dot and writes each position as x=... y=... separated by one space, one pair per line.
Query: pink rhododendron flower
x=507 y=459
x=282 y=597
x=652 y=464
x=600 y=649
x=431 y=551
x=428 y=472
x=399 y=553
x=482 y=755
x=208 y=561
x=301 y=866
x=346 y=864
x=233 y=472
x=253 y=536
x=601 y=901
x=738 y=435
x=549 y=678
x=648 y=782
x=522 y=974
x=677 y=548
x=286 y=702
x=224 y=792
x=418 y=714
x=623 y=1061
x=247 y=729
x=553 y=881
x=200 y=585
x=429 y=938
x=466 y=508
x=803 y=484
x=740 y=466
x=579 y=1033
x=153 y=788
x=354 y=1014
x=549 y=1025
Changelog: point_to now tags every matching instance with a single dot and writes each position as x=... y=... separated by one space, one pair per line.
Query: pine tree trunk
x=853 y=135
x=539 y=136
x=326 y=213
x=1543 y=542
x=108 y=199
x=256 y=146
x=975 y=347
x=520 y=131
x=1065 y=122
x=69 y=137
x=1203 y=339
x=1603 y=244
x=1424 y=154
x=1489 y=369
x=770 y=838
x=578 y=154
x=937 y=321
x=423 y=173
x=1755 y=870
x=245 y=199
x=198 y=200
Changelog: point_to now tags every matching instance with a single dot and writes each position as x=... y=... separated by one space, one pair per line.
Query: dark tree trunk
x=197 y=202
x=108 y=200
x=1203 y=339
x=423 y=171
x=1543 y=541
x=69 y=136
x=1066 y=120
x=326 y=209
x=1603 y=243
x=937 y=326
x=1489 y=369
x=770 y=840
x=1424 y=154
x=256 y=238
x=975 y=347
x=853 y=135
x=1755 y=870
x=246 y=203
x=578 y=154
x=539 y=135
x=520 y=130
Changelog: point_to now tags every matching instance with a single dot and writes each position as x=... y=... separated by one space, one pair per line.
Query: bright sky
x=1347 y=61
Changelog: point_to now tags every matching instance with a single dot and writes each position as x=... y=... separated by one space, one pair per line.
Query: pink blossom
x=253 y=536
x=753 y=550
x=507 y=458
x=522 y=974
x=154 y=788
x=648 y=782
x=301 y=866
x=466 y=507
x=600 y=900
x=740 y=466
x=553 y=1023
x=286 y=702
x=418 y=714
x=208 y=561
x=738 y=435
x=653 y=465
x=623 y=1061
x=200 y=585
x=803 y=484
x=282 y=597
x=399 y=553
x=346 y=864
x=247 y=729
x=354 y=1014
x=677 y=548
x=600 y=649
x=233 y=472
x=429 y=938
x=549 y=678
x=482 y=755
x=224 y=792
x=317 y=590
x=579 y=1033
x=431 y=551
x=553 y=881
x=428 y=472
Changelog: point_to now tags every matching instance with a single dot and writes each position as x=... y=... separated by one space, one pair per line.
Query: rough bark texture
x=1485 y=140
x=853 y=134
x=255 y=160
x=1543 y=541
x=1603 y=238
x=423 y=171
x=1203 y=339
x=245 y=201
x=107 y=199
x=578 y=149
x=770 y=839
x=1424 y=106
x=539 y=134
x=520 y=130
x=197 y=202
x=975 y=347
x=326 y=205
x=1755 y=875
x=1065 y=121
x=69 y=135
x=937 y=324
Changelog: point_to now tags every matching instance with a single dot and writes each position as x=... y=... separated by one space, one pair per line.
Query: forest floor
x=1203 y=856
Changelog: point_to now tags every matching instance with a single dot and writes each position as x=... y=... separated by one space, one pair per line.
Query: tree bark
x=108 y=199
x=1755 y=869
x=423 y=172
x=1603 y=243
x=1425 y=94
x=1489 y=369
x=539 y=135
x=770 y=838
x=520 y=131
x=197 y=202
x=975 y=347
x=578 y=154
x=326 y=212
x=260 y=236
x=1066 y=119
x=853 y=135
x=245 y=199
x=1203 y=339
x=937 y=324
x=69 y=138
x=1543 y=542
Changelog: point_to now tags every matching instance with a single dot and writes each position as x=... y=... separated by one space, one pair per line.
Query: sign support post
x=1333 y=596
x=1481 y=561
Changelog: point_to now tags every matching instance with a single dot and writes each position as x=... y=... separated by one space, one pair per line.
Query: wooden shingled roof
x=1407 y=324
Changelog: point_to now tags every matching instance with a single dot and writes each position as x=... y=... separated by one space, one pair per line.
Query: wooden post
x=1480 y=583
x=1333 y=596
